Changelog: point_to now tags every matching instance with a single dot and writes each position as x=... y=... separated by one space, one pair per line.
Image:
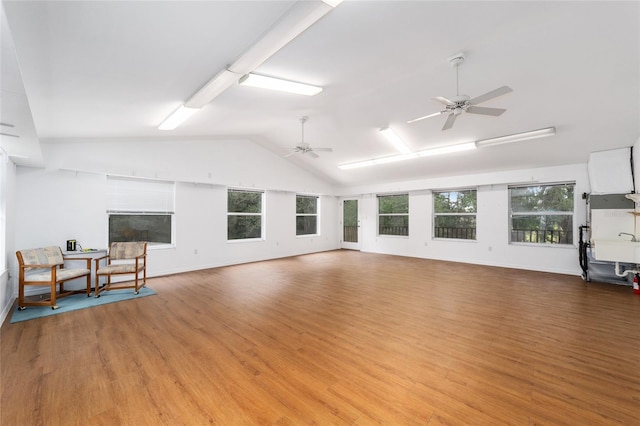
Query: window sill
x=462 y=240
x=392 y=236
x=245 y=240
x=544 y=245
x=307 y=235
x=152 y=247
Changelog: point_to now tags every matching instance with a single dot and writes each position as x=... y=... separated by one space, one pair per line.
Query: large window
x=244 y=214
x=455 y=214
x=542 y=213
x=393 y=214
x=140 y=210
x=306 y=215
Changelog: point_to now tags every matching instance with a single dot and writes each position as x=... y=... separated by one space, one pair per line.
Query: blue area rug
x=78 y=301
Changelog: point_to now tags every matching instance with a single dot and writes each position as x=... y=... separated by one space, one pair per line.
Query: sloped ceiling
x=114 y=70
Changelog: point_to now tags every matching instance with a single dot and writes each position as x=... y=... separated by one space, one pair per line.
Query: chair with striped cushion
x=45 y=267
x=124 y=258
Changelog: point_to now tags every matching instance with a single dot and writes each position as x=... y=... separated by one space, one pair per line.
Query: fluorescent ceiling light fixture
x=395 y=140
x=297 y=19
x=271 y=83
x=375 y=161
x=402 y=157
x=447 y=149
x=534 y=134
x=178 y=117
x=218 y=84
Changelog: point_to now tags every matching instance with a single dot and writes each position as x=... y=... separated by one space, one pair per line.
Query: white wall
x=7 y=187
x=492 y=246
x=67 y=200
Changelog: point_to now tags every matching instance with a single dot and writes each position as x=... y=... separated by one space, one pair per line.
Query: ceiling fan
x=303 y=147
x=463 y=103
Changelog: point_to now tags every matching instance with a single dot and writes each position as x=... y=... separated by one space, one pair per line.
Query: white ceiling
x=116 y=69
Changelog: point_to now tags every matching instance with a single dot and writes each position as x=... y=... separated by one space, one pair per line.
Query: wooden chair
x=45 y=267
x=124 y=258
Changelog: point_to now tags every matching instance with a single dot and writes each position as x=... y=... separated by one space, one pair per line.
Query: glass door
x=350 y=225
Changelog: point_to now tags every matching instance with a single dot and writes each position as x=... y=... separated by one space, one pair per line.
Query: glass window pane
x=350 y=213
x=350 y=221
x=455 y=201
x=544 y=198
x=555 y=229
x=130 y=227
x=393 y=204
x=244 y=202
x=393 y=225
x=306 y=225
x=242 y=227
x=306 y=205
x=460 y=227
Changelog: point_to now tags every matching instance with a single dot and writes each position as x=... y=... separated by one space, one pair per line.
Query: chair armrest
x=52 y=265
x=98 y=259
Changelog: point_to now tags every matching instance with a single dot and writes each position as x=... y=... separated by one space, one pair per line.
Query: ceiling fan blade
x=313 y=154
x=426 y=116
x=490 y=95
x=450 y=120
x=485 y=111
x=323 y=149
x=443 y=100
x=290 y=154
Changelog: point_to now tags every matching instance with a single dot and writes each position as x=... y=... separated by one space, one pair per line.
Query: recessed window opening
x=140 y=210
x=245 y=216
x=454 y=214
x=393 y=214
x=307 y=207
x=542 y=214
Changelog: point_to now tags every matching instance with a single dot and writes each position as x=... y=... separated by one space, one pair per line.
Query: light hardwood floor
x=339 y=337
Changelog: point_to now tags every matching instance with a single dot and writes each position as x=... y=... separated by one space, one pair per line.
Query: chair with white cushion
x=124 y=258
x=45 y=267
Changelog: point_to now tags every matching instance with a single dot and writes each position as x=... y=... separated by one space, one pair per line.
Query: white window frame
x=141 y=197
x=379 y=215
x=436 y=214
x=543 y=213
x=316 y=215
x=261 y=214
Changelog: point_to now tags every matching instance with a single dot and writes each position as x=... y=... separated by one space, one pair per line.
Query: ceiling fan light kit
x=460 y=103
x=303 y=147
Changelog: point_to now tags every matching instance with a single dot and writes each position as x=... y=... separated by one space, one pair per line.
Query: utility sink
x=618 y=251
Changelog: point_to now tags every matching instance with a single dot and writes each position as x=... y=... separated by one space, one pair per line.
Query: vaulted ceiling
x=90 y=70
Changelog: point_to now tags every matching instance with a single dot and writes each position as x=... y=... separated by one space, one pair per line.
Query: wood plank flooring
x=340 y=337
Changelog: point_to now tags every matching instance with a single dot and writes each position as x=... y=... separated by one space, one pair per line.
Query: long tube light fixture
x=297 y=19
x=517 y=137
x=178 y=117
x=271 y=83
x=402 y=157
x=534 y=134
x=395 y=140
